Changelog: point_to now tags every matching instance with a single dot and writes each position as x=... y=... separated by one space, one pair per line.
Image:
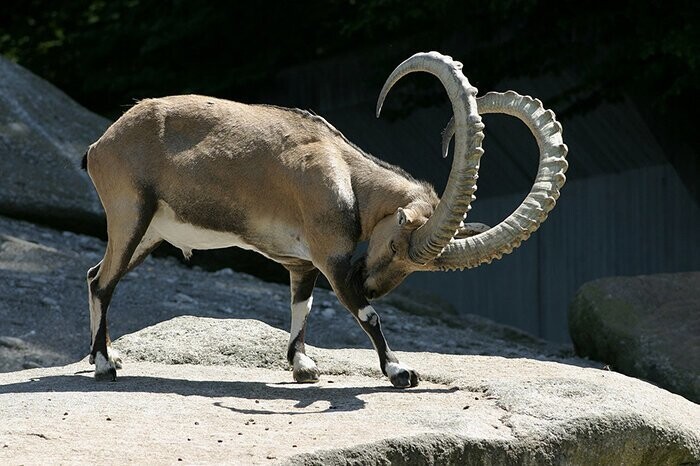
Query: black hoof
x=405 y=379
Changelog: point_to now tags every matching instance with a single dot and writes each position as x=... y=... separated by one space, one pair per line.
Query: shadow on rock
x=339 y=398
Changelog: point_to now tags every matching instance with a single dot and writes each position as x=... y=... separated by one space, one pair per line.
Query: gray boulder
x=224 y=400
x=43 y=136
x=646 y=327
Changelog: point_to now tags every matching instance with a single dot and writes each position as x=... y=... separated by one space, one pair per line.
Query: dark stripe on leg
x=303 y=285
x=297 y=345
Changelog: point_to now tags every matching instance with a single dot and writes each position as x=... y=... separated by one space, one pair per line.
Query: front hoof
x=401 y=376
x=305 y=370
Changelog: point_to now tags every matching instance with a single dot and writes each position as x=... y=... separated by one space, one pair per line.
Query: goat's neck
x=380 y=192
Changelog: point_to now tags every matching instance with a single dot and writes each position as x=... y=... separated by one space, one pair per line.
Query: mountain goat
x=205 y=173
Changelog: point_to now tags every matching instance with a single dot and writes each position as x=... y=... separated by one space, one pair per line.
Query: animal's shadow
x=338 y=398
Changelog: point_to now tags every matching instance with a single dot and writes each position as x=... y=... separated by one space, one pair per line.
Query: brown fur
x=223 y=165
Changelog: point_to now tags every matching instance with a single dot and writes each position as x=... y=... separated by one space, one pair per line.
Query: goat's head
x=420 y=237
x=387 y=261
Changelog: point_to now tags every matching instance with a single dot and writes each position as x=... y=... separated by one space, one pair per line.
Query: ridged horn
x=428 y=241
x=516 y=228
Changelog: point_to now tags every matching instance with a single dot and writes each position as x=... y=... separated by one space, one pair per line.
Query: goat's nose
x=371 y=294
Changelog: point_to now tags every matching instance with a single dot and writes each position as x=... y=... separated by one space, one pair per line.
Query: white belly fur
x=187 y=237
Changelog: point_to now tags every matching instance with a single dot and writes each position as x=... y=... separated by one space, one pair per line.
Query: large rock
x=646 y=326
x=244 y=410
x=43 y=301
x=43 y=136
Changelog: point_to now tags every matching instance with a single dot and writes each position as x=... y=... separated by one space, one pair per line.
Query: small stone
x=466 y=407
x=196 y=423
x=220 y=441
x=109 y=418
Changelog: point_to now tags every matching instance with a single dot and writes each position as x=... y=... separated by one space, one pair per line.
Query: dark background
x=107 y=53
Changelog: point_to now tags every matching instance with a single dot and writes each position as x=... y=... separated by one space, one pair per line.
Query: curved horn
x=428 y=241
x=507 y=235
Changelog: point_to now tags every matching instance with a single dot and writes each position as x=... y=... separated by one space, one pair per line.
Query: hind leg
x=129 y=242
x=302 y=280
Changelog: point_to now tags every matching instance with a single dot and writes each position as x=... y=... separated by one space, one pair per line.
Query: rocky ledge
x=204 y=390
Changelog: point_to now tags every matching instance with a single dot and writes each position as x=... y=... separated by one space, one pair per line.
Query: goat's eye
x=392 y=247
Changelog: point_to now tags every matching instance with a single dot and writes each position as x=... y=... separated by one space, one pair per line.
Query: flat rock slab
x=159 y=414
x=467 y=409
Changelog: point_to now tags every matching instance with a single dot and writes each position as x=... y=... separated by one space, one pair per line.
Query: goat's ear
x=401 y=217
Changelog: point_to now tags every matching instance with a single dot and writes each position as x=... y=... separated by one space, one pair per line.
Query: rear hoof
x=109 y=376
x=106 y=369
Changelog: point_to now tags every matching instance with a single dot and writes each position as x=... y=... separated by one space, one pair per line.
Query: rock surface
x=245 y=410
x=43 y=136
x=42 y=282
x=646 y=326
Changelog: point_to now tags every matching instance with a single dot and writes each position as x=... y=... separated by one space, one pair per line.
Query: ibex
x=205 y=173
